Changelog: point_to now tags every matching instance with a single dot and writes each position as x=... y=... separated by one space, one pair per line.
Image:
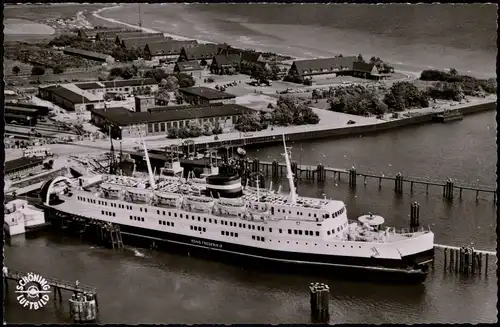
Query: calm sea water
x=143 y=286
x=413 y=37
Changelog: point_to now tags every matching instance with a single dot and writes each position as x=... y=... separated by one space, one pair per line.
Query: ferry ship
x=221 y=219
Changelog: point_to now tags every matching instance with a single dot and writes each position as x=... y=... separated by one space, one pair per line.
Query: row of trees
x=194 y=129
x=286 y=113
x=467 y=84
x=364 y=101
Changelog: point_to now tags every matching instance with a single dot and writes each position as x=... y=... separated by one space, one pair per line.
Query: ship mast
x=150 y=171
x=292 y=197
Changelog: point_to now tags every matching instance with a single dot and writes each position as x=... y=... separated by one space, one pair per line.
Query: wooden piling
x=461 y=192
x=426 y=188
x=486 y=264
x=379 y=182
x=411 y=187
x=399 y=184
x=352 y=177
x=414 y=216
x=445 y=258
x=477 y=195
x=480 y=261
x=452 y=258
x=364 y=181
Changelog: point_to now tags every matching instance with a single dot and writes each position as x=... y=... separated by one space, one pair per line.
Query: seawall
x=348 y=130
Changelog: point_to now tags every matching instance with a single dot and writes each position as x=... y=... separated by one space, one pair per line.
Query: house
x=201 y=52
x=139 y=35
x=367 y=71
x=225 y=64
x=119 y=86
x=158 y=121
x=22 y=167
x=251 y=60
x=203 y=95
x=191 y=67
x=110 y=35
x=90 y=55
x=170 y=49
x=140 y=42
x=324 y=66
x=92 y=33
x=67 y=99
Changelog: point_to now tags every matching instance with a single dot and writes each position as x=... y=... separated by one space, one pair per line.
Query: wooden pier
x=321 y=174
x=465 y=260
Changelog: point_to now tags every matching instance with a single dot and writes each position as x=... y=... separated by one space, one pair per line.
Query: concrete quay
x=294 y=133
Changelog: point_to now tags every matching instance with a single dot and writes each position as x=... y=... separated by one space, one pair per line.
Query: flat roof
x=206 y=93
x=90 y=54
x=89 y=86
x=21 y=163
x=130 y=82
x=69 y=95
x=124 y=117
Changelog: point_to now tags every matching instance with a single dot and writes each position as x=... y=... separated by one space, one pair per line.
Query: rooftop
x=81 y=52
x=89 y=86
x=324 y=65
x=204 y=51
x=21 y=163
x=206 y=93
x=169 y=47
x=124 y=117
x=188 y=66
x=140 y=42
x=66 y=94
x=130 y=82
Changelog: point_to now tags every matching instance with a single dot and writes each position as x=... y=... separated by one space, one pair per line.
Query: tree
x=129 y=72
x=453 y=71
x=261 y=75
x=16 y=70
x=37 y=70
x=116 y=71
x=360 y=58
x=195 y=129
x=173 y=133
x=248 y=123
x=171 y=83
x=158 y=74
x=58 y=69
x=178 y=97
x=162 y=97
x=203 y=62
x=275 y=71
x=185 y=80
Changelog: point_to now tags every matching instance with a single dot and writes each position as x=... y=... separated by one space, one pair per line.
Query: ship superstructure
x=220 y=216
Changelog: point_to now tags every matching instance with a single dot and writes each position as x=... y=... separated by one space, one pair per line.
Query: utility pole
x=140 y=20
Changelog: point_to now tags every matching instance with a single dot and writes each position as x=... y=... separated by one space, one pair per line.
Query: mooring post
x=364 y=181
x=426 y=188
x=473 y=263
x=457 y=259
x=411 y=187
x=399 y=183
x=414 y=216
x=452 y=258
x=486 y=264
x=477 y=195
x=352 y=177
x=461 y=193
x=379 y=182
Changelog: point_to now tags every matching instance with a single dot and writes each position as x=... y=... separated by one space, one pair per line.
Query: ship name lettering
x=211 y=244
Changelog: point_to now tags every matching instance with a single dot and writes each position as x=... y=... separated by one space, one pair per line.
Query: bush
x=210 y=80
x=185 y=80
x=16 y=70
x=58 y=69
x=37 y=70
x=470 y=85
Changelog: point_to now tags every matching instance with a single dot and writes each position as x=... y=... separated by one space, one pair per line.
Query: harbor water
x=144 y=286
